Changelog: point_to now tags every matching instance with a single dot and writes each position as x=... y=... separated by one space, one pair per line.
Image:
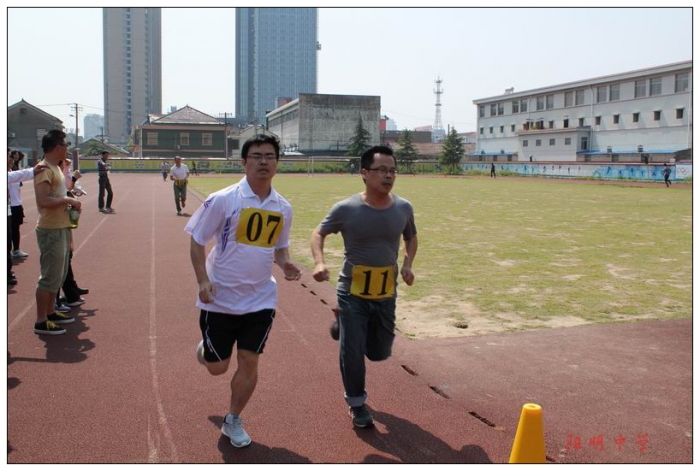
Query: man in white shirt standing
x=179 y=174
x=250 y=223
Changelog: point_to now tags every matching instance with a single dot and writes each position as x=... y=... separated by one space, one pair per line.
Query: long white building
x=637 y=116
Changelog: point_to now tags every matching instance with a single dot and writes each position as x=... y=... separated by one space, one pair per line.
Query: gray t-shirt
x=371 y=238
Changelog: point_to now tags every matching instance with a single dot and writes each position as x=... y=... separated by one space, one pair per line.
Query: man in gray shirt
x=371 y=224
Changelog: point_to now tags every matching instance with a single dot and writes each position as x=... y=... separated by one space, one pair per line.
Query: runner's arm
x=320 y=270
x=198 y=258
x=410 y=250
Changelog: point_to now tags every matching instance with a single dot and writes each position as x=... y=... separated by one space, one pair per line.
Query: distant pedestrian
x=179 y=174
x=103 y=168
x=250 y=223
x=667 y=175
x=194 y=169
x=493 y=170
x=164 y=168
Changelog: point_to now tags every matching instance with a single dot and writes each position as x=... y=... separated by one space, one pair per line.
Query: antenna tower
x=438 y=133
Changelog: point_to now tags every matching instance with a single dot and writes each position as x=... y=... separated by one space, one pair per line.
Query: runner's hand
x=321 y=272
x=407 y=275
x=207 y=291
x=291 y=271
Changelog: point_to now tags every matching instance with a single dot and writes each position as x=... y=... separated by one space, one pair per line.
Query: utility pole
x=225 y=134
x=76 y=161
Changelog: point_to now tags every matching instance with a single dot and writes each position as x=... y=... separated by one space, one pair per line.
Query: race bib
x=259 y=227
x=372 y=282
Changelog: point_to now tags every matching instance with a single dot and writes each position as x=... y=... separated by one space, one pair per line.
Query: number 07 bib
x=259 y=227
x=372 y=282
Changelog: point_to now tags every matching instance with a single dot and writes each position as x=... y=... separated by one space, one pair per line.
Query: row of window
x=539 y=124
x=604 y=94
x=552 y=142
x=207 y=139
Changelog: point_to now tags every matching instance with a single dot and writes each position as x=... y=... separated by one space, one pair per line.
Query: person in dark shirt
x=667 y=175
x=103 y=170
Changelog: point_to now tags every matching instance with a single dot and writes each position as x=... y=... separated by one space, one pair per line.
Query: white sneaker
x=200 y=352
x=232 y=428
x=19 y=254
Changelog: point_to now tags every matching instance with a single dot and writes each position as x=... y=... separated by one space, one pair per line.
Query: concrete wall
x=327 y=122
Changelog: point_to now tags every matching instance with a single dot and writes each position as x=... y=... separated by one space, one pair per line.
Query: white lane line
x=154 y=452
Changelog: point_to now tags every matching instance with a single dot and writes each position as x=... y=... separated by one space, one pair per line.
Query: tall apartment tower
x=132 y=68
x=276 y=58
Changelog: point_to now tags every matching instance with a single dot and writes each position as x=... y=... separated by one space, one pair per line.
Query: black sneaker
x=82 y=291
x=48 y=328
x=361 y=417
x=335 y=330
x=60 y=318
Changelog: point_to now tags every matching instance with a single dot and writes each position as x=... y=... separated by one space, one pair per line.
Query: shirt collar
x=247 y=191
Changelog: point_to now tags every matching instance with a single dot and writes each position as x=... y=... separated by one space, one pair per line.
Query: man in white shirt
x=179 y=174
x=250 y=223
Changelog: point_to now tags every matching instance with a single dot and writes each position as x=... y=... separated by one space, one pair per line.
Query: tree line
x=406 y=153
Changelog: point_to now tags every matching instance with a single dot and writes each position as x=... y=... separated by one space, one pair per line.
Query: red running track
x=123 y=385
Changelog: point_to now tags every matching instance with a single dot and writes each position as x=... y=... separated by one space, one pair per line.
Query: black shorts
x=17 y=215
x=221 y=331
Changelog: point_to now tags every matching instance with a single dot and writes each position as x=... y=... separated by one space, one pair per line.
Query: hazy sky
x=54 y=55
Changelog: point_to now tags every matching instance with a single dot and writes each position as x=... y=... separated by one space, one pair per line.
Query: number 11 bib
x=372 y=282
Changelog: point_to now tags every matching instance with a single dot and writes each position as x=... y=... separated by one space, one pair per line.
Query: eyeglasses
x=383 y=171
x=266 y=157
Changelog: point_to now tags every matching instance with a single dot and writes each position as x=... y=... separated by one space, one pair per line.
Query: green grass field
x=504 y=255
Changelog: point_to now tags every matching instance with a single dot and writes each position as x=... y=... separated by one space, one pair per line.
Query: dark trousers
x=366 y=330
x=70 y=287
x=9 y=247
x=17 y=218
x=180 y=195
x=105 y=186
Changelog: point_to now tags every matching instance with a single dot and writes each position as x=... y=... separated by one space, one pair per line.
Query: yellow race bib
x=372 y=282
x=259 y=227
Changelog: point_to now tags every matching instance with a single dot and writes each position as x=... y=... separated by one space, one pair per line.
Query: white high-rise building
x=132 y=68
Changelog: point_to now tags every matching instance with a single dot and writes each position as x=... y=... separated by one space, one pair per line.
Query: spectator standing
x=103 y=168
x=16 y=209
x=52 y=233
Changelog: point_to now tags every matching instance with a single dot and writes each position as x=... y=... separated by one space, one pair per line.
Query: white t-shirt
x=179 y=173
x=14 y=192
x=247 y=232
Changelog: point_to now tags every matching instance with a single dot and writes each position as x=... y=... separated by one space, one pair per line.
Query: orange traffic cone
x=529 y=438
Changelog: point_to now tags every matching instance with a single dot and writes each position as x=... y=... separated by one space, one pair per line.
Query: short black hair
x=259 y=140
x=51 y=139
x=104 y=152
x=368 y=155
